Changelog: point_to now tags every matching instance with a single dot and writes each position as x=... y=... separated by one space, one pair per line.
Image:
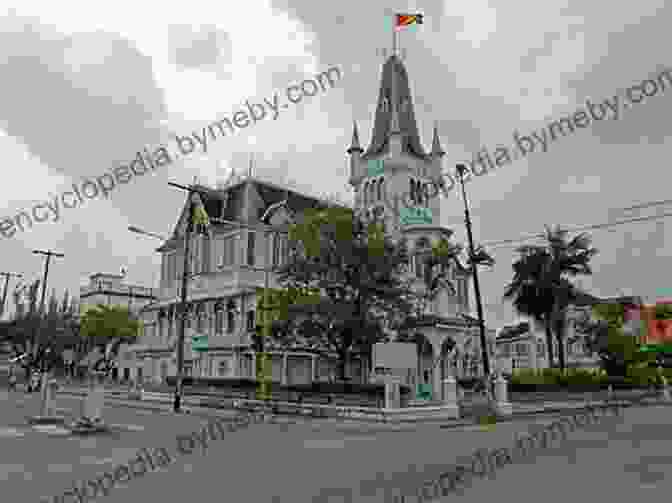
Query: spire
x=437 y=151
x=390 y=119
x=354 y=144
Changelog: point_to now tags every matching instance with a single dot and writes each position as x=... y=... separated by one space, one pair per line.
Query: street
x=322 y=461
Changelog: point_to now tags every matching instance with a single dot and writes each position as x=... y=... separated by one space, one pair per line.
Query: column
x=236 y=362
x=283 y=375
x=313 y=368
x=436 y=374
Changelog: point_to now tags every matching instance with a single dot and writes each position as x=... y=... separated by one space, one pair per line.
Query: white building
x=111 y=290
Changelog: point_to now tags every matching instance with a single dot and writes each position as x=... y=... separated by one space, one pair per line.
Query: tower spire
x=437 y=150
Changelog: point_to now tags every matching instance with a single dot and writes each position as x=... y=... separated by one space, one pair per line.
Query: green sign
x=199 y=342
x=415 y=216
x=375 y=167
x=424 y=392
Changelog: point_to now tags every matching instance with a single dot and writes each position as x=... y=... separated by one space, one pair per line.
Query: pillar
x=436 y=373
x=313 y=368
x=503 y=405
x=236 y=362
x=283 y=375
x=392 y=393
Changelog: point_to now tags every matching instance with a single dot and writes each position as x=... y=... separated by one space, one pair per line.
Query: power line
x=494 y=244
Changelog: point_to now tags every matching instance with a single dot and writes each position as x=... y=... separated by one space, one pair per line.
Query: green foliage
x=637 y=375
x=342 y=282
x=541 y=286
x=109 y=326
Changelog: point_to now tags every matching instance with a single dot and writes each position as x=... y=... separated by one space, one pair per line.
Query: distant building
x=111 y=290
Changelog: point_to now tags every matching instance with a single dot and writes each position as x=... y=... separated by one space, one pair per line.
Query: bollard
x=503 y=405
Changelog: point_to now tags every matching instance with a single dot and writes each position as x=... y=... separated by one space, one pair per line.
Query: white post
x=503 y=405
x=666 y=390
x=392 y=393
x=283 y=376
x=450 y=397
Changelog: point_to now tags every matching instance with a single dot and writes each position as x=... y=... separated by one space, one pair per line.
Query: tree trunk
x=559 y=336
x=549 y=338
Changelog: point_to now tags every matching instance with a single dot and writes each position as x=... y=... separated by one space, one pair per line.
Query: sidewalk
x=162 y=402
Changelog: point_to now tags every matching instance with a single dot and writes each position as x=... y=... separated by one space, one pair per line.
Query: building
x=392 y=172
x=523 y=346
x=229 y=266
x=111 y=290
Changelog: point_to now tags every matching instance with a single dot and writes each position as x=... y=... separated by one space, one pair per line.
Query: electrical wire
x=495 y=244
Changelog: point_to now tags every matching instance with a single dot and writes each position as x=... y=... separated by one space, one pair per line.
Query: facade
x=227 y=268
x=111 y=290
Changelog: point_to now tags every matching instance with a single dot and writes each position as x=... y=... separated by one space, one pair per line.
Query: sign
x=395 y=355
x=415 y=216
x=199 y=342
x=424 y=392
x=375 y=167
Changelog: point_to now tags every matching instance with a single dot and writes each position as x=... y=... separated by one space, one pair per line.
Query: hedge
x=584 y=379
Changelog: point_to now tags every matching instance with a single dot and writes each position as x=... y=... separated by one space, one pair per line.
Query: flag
x=200 y=218
x=403 y=20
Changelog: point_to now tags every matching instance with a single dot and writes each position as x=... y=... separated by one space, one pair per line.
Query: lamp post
x=461 y=169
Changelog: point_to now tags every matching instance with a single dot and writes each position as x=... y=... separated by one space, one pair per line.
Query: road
x=324 y=462
x=623 y=460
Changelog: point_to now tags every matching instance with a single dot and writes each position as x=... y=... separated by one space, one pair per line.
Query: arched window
x=379 y=187
x=372 y=191
x=230 y=317
x=365 y=193
x=219 y=318
x=411 y=190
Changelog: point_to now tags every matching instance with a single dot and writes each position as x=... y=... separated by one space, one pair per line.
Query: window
x=205 y=258
x=540 y=348
x=506 y=350
x=276 y=250
x=230 y=317
x=250 y=247
x=419 y=266
x=250 y=320
x=219 y=319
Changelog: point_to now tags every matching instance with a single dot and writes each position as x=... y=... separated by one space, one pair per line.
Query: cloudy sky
x=86 y=85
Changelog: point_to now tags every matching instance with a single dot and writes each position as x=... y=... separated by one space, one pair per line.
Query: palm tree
x=541 y=286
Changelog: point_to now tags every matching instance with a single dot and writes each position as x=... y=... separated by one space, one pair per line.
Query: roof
x=394 y=80
x=226 y=203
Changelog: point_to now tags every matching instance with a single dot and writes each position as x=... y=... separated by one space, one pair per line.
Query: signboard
x=199 y=342
x=657 y=326
x=395 y=355
x=375 y=167
x=415 y=216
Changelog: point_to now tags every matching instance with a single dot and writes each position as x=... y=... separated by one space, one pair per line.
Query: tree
x=603 y=329
x=108 y=327
x=38 y=338
x=541 y=286
x=348 y=277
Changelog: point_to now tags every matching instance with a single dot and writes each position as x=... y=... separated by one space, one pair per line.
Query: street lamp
x=461 y=169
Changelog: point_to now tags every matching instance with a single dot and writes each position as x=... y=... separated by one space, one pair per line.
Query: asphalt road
x=322 y=462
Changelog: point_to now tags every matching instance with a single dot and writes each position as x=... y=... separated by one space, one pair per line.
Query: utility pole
x=461 y=168
x=39 y=351
x=183 y=296
x=7 y=275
